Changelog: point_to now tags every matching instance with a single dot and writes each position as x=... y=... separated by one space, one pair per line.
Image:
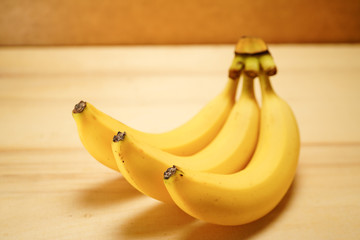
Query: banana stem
x=252 y=66
x=265 y=84
x=248 y=86
x=267 y=64
x=231 y=86
x=234 y=74
x=236 y=67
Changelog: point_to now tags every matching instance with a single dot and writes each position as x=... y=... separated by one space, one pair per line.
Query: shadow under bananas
x=109 y=192
x=211 y=232
x=162 y=219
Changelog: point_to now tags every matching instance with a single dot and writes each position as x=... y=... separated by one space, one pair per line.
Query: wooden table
x=51 y=188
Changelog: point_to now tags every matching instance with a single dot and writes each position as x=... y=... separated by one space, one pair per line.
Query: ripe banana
x=229 y=152
x=95 y=127
x=119 y=158
x=249 y=194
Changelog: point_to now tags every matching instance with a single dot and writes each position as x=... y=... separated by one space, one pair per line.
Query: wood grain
x=51 y=188
x=94 y=22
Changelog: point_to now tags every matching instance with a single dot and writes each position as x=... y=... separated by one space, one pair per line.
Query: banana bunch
x=230 y=164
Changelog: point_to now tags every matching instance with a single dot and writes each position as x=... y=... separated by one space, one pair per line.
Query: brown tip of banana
x=120 y=136
x=169 y=172
x=79 y=108
x=250 y=45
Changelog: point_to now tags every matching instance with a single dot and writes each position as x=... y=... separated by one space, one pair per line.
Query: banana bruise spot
x=169 y=172
x=79 y=108
x=120 y=136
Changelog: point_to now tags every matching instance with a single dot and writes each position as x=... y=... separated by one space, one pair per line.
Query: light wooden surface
x=51 y=188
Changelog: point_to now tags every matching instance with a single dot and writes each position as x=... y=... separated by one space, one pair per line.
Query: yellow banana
x=95 y=127
x=119 y=158
x=249 y=194
x=229 y=152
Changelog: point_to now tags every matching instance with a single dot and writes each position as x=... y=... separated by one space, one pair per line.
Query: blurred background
x=111 y=22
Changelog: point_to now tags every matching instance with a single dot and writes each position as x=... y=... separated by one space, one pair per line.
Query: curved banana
x=95 y=127
x=119 y=158
x=249 y=194
x=229 y=152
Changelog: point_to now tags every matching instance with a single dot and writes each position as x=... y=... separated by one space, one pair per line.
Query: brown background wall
x=94 y=22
